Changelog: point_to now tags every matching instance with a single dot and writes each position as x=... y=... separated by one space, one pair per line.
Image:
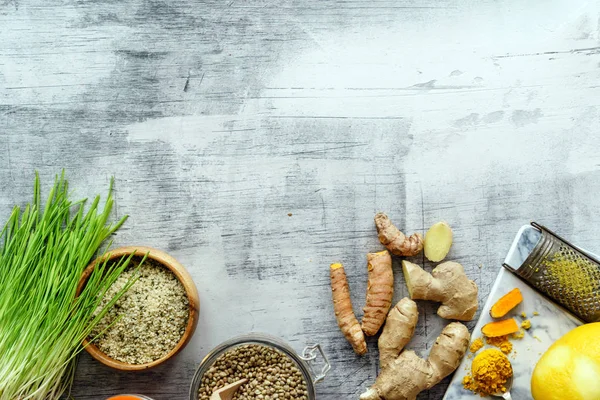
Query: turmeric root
x=500 y=328
x=438 y=241
x=408 y=375
x=380 y=290
x=342 y=305
x=447 y=284
x=394 y=240
x=506 y=303
x=397 y=331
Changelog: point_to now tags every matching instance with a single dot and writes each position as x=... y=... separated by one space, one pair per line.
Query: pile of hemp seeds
x=271 y=375
x=148 y=320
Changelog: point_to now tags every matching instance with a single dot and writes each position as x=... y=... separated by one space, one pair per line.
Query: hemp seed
x=153 y=315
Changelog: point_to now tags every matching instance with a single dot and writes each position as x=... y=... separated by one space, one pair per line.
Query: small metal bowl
x=180 y=273
x=309 y=354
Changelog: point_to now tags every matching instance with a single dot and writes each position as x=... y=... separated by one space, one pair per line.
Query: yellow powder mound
x=489 y=372
x=501 y=342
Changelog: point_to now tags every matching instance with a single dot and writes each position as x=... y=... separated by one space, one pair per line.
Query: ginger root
x=447 y=284
x=397 y=331
x=342 y=305
x=394 y=240
x=408 y=375
x=380 y=290
x=438 y=241
x=500 y=328
x=506 y=303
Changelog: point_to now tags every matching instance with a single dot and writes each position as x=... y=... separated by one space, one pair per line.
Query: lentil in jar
x=271 y=374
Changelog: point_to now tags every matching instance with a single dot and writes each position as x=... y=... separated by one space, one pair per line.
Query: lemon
x=570 y=368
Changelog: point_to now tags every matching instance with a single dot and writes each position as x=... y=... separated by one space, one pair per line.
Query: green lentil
x=271 y=375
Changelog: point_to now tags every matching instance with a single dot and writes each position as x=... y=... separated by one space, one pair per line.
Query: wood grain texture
x=220 y=118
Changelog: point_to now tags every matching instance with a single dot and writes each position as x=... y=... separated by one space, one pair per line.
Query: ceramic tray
x=552 y=322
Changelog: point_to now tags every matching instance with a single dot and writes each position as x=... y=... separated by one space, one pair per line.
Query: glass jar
x=303 y=362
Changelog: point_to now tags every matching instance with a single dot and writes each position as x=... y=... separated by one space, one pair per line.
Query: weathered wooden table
x=255 y=140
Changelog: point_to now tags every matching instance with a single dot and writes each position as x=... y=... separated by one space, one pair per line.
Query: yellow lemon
x=570 y=368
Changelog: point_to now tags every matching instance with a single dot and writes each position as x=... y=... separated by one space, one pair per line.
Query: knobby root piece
x=506 y=303
x=380 y=290
x=397 y=331
x=447 y=284
x=342 y=305
x=500 y=328
x=408 y=375
x=438 y=241
x=394 y=240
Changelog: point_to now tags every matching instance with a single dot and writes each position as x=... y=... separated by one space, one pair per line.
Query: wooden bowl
x=188 y=284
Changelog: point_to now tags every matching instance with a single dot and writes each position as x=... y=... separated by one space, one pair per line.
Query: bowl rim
x=259 y=338
x=180 y=273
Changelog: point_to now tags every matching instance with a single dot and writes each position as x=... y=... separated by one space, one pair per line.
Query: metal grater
x=564 y=273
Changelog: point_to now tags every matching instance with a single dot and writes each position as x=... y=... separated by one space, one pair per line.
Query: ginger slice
x=438 y=241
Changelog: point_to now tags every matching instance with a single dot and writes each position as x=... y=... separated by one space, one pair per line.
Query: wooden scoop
x=227 y=392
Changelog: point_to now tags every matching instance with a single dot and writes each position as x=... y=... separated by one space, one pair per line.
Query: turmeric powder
x=501 y=342
x=519 y=335
x=489 y=372
x=476 y=345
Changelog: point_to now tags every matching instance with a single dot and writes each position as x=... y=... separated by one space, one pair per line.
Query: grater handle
x=508 y=267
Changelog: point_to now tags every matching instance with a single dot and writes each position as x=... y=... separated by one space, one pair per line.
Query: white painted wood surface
x=220 y=118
